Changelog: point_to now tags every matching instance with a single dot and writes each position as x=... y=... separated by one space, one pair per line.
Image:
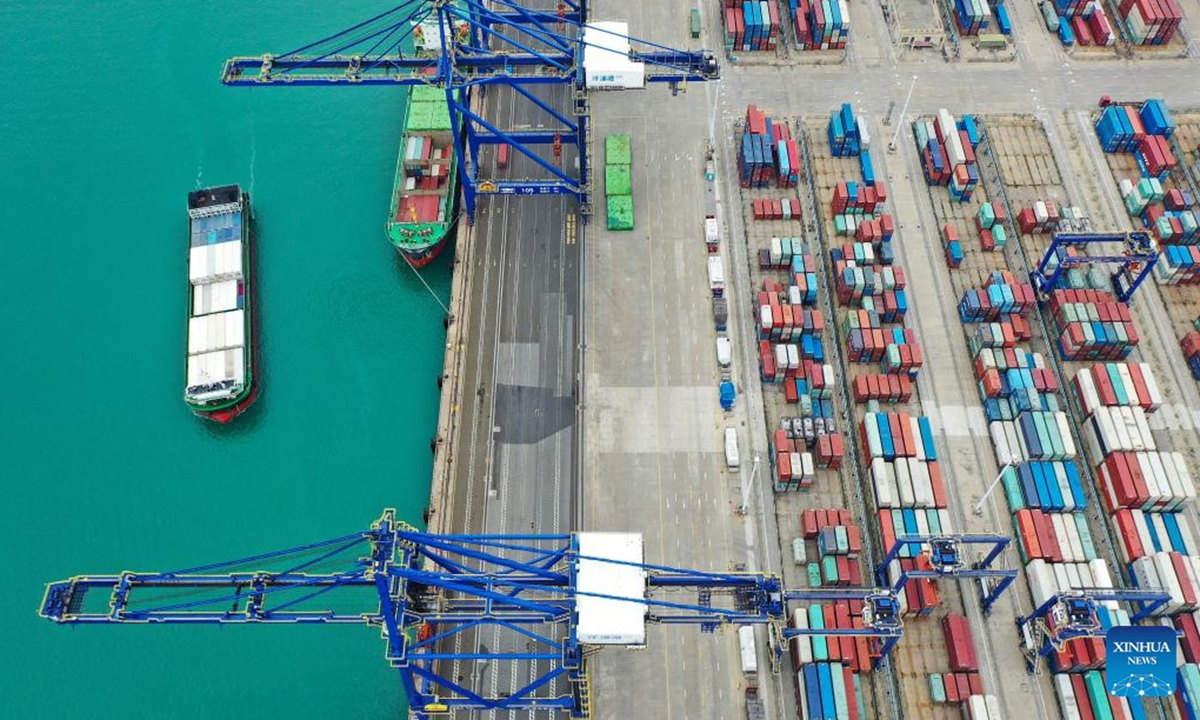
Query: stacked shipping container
x=947 y=149
x=751 y=25
x=1150 y=22
x=1082 y=21
x=769 y=153
x=820 y=24
x=1091 y=325
x=1146 y=132
x=618 y=182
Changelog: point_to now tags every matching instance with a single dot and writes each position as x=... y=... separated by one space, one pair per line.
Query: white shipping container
x=803 y=642
x=1151 y=387
x=214 y=297
x=916 y=433
x=797 y=466
x=1041 y=581
x=864 y=131
x=1143 y=530
x=904 y=484
x=1000 y=443
x=716 y=273
x=1015 y=444
x=1143 y=426
x=216 y=367
x=1085 y=388
x=922 y=523
x=1066 y=697
x=219 y=331
x=1064 y=432
x=1073 y=579
x=732 y=458
x=776 y=251
x=883 y=495
x=944 y=521
x=793 y=295
x=808 y=465
x=766 y=319
x=1170 y=583
x=748 y=651
x=219 y=261
x=712 y=231
x=977 y=708
x=1102 y=579
x=793 y=357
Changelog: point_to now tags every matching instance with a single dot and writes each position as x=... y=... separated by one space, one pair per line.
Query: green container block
x=986 y=215
x=1012 y=489
x=617 y=180
x=617 y=150
x=620 y=212
x=937 y=688
x=1000 y=235
x=1085 y=536
x=935 y=523
x=820 y=647
x=814 y=575
x=829 y=569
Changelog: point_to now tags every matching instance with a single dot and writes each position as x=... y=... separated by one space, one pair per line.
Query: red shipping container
x=808 y=523
x=960 y=645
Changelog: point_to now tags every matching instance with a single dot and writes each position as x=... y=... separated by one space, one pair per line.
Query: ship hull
x=223 y=410
x=421 y=257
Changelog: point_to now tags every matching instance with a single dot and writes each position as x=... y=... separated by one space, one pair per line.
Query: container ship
x=221 y=377
x=423 y=197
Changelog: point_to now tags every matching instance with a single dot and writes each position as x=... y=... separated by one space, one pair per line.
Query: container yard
x=775 y=347
x=788 y=31
x=1154 y=170
x=982 y=30
x=1098 y=29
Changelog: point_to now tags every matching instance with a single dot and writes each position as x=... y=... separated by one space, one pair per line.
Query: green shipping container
x=1000 y=235
x=816 y=619
x=1085 y=536
x=620 y=212
x=695 y=22
x=992 y=41
x=935 y=523
x=937 y=688
x=617 y=150
x=617 y=180
x=1012 y=489
x=814 y=575
x=829 y=569
x=1098 y=695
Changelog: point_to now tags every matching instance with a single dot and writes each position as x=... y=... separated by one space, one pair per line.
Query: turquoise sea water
x=109 y=114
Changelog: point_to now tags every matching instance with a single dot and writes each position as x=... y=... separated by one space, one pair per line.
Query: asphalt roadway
x=516 y=455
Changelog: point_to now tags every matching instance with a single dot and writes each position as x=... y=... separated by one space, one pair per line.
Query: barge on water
x=220 y=361
x=426 y=186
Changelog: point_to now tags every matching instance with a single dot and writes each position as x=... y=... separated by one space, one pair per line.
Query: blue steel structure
x=1136 y=260
x=422 y=590
x=945 y=553
x=1073 y=614
x=475 y=44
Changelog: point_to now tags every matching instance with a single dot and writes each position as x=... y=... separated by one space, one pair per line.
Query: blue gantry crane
x=947 y=559
x=467 y=45
x=1075 y=613
x=1137 y=258
x=434 y=597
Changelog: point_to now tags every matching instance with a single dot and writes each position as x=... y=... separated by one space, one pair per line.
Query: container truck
x=732 y=459
x=748 y=651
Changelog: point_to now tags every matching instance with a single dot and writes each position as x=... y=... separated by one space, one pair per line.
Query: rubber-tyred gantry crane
x=562 y=594
x=466 y=45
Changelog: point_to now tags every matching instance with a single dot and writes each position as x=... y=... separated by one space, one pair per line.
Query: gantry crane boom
x=425 y=590
x=460 y=45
